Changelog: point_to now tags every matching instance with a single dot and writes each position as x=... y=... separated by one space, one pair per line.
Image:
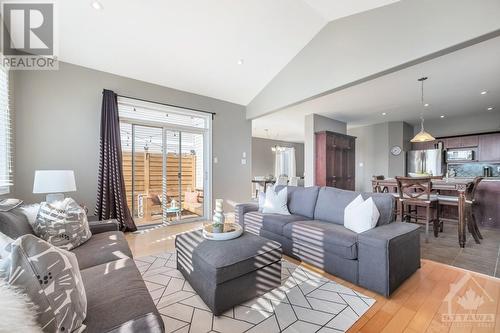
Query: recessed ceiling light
x=484 y=92
x=384 y=113
x=490 y=108
x=426 y=104
x=240 y=61
x=97 y=5
x=442 y=116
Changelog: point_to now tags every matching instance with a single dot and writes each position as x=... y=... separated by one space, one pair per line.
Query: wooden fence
x=149 y=177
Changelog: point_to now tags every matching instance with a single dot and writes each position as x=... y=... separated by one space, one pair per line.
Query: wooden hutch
x=335 y=160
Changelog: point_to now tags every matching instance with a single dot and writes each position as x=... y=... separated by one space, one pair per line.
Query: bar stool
x=470 y=203
x=416 y=192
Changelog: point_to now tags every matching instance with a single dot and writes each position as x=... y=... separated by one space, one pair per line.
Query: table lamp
x=54 y=183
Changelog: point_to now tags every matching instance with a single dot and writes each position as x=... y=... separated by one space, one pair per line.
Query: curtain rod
x=166 y=104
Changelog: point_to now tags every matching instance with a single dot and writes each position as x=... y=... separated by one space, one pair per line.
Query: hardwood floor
x=419 y=305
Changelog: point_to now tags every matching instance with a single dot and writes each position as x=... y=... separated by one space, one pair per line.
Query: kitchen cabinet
x=423 y=145
x=489 y=147
x=451 y=143
x=488 y=210
x=469 y=141
x=335 y=160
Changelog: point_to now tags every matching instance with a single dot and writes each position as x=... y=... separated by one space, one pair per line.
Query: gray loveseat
x=117 y=298
x=379 y=259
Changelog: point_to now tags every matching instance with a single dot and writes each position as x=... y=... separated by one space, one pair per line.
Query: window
x=5 y=134
x=284 y=165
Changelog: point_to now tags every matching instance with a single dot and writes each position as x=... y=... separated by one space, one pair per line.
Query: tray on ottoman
x=225 y=274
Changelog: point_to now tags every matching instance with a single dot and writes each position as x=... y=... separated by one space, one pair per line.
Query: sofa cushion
x=274 y=223
x=102 y=248
x=328 y=237
x=302 y=200
x=332 y=202
x=15 y=224
x=118 y=300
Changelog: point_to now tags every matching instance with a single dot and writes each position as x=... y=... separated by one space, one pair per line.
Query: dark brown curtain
x=111 y=195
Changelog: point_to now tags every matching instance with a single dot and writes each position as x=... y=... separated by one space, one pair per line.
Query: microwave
x=460 y=155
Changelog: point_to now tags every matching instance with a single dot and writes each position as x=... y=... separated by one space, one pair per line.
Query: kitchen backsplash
x=473 y=169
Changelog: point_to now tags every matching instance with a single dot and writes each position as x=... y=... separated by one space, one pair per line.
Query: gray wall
x=316 y=123
x=367 y=44
x=263 y=157
x=57 y=119
x=467 y=124
x=400 y=134
x=372 y=153
x=373 y=157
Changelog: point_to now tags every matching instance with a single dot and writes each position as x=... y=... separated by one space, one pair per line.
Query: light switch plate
x=243 y=161
x=216 y=160
x=244 y=154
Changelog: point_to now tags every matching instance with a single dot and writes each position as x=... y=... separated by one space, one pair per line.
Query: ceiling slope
x=453 y=90
x=191 y=45
x=369 y=44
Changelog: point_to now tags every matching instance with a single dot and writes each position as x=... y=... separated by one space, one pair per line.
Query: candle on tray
x=218 y=205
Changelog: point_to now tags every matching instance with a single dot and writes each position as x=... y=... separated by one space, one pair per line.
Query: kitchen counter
x=485 y=179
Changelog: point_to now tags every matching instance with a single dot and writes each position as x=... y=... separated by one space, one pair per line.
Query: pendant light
x=422 y=136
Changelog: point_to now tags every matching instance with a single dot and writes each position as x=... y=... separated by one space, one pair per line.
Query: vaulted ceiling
x=197 y=45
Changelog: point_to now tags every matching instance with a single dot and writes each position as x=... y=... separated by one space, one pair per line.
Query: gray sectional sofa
x=117 y=297
x=379 y=259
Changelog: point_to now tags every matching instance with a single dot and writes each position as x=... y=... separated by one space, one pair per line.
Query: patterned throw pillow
x=63 y=224
x=51 y=278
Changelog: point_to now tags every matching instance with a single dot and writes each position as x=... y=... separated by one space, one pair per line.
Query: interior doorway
x=166 y=154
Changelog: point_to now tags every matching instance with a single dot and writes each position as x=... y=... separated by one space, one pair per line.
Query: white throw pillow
x=262 y=200
x=276 y=202
x=361 y=215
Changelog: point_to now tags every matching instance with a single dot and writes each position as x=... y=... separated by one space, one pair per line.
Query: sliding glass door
x=166 y=169
x=185 y=179
x=143 y=168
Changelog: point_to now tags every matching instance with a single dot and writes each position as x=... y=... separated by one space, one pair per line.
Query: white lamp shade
x=54 y=181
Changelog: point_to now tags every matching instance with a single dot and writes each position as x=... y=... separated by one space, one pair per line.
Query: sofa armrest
x=387 y=256
x=97 y=227
x=242 y=209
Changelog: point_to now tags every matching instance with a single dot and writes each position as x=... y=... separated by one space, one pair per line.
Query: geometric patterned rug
x=305 y=302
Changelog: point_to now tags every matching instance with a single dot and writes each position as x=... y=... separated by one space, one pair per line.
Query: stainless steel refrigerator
x=429 y=161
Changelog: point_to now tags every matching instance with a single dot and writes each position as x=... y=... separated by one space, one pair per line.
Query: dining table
x=446 y=184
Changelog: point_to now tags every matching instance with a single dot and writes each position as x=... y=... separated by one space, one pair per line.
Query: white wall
x=316 y=123
x=373 y=43
x=373 y=157
x=57 y=120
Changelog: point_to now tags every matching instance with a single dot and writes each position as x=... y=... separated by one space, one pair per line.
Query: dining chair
x=470 y=204
x=294 y=181
x=417 y=192
x=377 y=188
x=282 y=180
